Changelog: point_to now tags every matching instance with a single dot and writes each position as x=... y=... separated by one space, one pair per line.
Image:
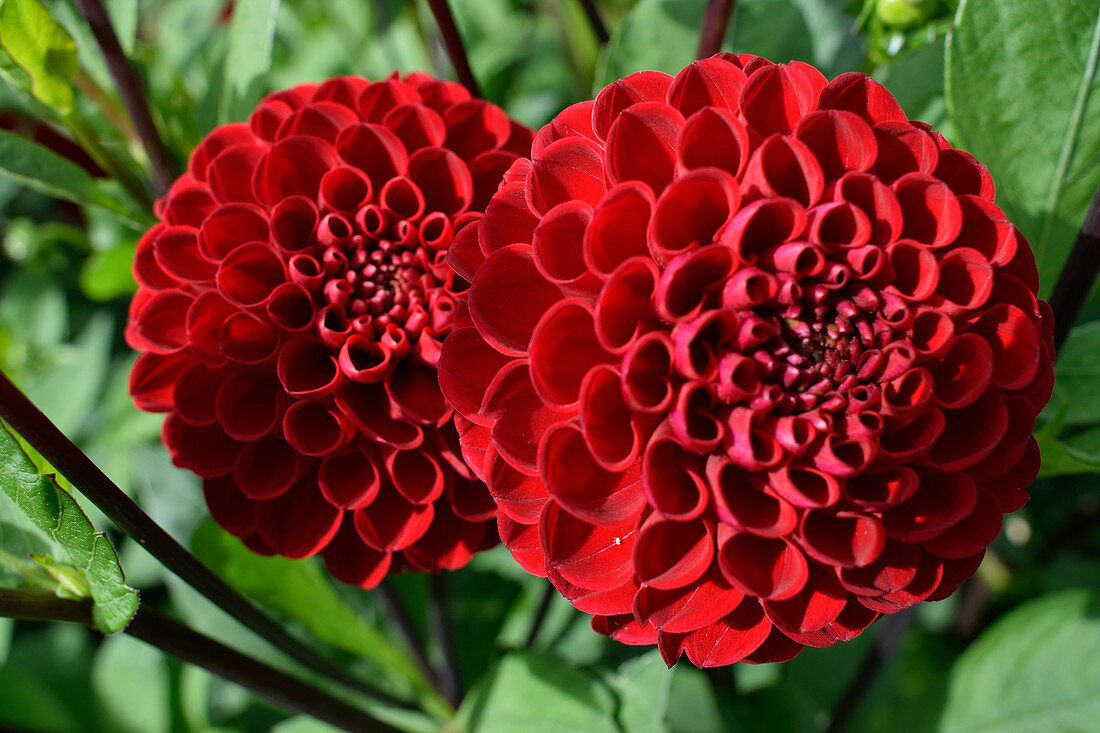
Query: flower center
x=379 y=274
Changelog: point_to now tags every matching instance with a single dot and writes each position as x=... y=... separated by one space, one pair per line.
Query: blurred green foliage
x=70 y=224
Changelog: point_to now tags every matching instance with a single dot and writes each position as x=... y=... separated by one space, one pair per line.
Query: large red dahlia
x=748 y=359
x=293 y=301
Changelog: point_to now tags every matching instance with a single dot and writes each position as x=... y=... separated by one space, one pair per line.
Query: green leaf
x=1037 y=669
x=1077 y=375
x=251 y=34
x=38 y=167
x=643 y=685
x=1021 y=83
x=298 y=589
x=32 y=501
x=6 y=627
x=42 y=48
x=69 y=381
x=537 y=691
x=131 y=681
x=107 y=275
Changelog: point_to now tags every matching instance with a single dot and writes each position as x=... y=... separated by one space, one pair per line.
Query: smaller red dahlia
x=748 y=359
x=292 y=304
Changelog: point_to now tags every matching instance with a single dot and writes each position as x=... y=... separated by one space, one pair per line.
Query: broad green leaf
x=1077 y=375
x=42 y=48
x=130 y=679
x=40 y=168
x=692 y=705
x=663 y=35
x=34 y=502
x=251 y=33
x=537 y=691
x=1021 y=91
x=642 y=685
x=298 y=589
x=1037 y=669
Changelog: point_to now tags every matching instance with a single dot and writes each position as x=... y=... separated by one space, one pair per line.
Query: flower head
x=748 y=359
x=292 y=304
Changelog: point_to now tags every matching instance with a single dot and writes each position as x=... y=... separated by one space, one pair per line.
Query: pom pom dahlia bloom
x=292 y=303
x=748 y=359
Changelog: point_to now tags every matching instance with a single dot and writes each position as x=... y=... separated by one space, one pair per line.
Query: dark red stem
x=548 y=594
x=129 y=88
x=455 y=50
x=595 y=21
x=715 y=21
x=1071 y=290
x=173 y=638
x=43 y=435
x=446 y=671
x=398 y=616
x=891 y=630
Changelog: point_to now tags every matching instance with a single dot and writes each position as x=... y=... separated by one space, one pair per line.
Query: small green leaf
x=538 y=691
x=70 y=581
x=1021 y=91
x=298 y=589
x=251 y=35
x=33 y=502
x=1037 y=669
x=42 y=48
x=107 y=275
x=38 y=167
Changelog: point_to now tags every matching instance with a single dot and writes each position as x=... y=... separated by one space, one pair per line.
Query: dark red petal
x=299 y=523
x=590 y=556
x=760 y=566
x=349 y=480
x=670 y=554
x=862 y=95
x=731 y=638
x=391 y=522
x=353 y=562
x=580 y=486
x=643 y=86
x=569 y=169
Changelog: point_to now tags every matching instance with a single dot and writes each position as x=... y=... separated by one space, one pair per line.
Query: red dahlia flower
x=748 y=359
x=292 y=304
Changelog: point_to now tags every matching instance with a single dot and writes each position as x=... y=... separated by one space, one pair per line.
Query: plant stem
x=1071 y=290
x=129 y=87
x=715 y=20
x=399 y=617
x=43 y=435
x=87 y=138
x=886 y=642
x=453 y=41
x=540 y=615
x=175 y=639
x=447 y=669
x=596 y=21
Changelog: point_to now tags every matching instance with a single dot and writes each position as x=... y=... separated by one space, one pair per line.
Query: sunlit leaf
x=42 y=48
x=1022 y=94
x=34 y=503
x=1035 y=670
